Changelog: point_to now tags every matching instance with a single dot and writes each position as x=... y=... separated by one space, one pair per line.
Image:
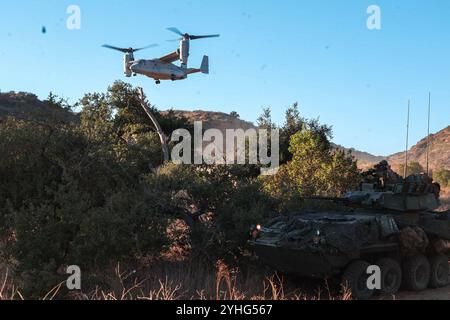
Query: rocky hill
x=22 y=105
x=439 y=142
x=439 y=151
x=216 y=120
x=365 y=159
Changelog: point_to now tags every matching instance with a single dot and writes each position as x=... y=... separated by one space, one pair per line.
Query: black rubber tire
x=355 y=278
x=416 y=273
x=439 y=271
x=391 y=275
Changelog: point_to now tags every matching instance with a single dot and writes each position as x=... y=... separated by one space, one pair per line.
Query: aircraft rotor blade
x=128 y=50
x=147 y=47
x=115 y=48
x=203 y=37
x=175 y=30
x=183 y=35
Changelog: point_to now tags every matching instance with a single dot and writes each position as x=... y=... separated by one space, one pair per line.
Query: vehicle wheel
x=355 y=278
x=391 y=275
x=416 y=273
x=439 y=271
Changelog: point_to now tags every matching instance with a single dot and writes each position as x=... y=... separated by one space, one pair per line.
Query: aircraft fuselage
x=159 y=70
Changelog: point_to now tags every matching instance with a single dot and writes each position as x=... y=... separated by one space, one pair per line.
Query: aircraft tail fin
x=205 y=65
x=204 y=68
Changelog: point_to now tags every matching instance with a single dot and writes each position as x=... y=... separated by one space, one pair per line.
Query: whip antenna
x=428 y=135
x=405 y=173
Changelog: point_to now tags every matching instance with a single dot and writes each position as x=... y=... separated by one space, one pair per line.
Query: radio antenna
x=428 y=135
x=405 y=172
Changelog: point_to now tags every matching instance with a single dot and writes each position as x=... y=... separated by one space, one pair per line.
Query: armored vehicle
x=388 y=225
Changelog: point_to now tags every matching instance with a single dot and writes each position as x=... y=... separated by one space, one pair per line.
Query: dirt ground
x=435 y=294
x=431 y=294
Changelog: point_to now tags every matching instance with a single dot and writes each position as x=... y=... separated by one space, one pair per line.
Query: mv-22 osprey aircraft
x=163 y=68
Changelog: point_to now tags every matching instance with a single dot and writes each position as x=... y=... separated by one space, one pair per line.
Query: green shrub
x=442 y=177
x=219 y=203
x=315 y=169
x=72 y=194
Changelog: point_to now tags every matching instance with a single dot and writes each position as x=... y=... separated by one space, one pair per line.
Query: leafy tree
x=293 y=123
x=234 y=114
x=315 y=169
x=413 y=168
x=72 y=192
x=442 y=176
x=342 y=173
x=310 y=156
x=264 y=121
x=56 y=102
x=214 y=202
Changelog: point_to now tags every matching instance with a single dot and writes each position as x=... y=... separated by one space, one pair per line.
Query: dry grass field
x=187 y=280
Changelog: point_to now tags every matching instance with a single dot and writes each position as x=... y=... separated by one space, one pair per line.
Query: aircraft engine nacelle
x=128 y=59
x=184 y=52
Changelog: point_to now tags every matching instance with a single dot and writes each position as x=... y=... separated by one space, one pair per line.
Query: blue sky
x=271 y=53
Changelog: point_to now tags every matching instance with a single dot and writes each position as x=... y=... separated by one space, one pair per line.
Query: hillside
x=216 y=120
x=439 y=151
x=439 y=142
x=365 y=159
x=22 y=105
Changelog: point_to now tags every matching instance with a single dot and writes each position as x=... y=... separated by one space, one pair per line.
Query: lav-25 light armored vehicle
x=389 y=222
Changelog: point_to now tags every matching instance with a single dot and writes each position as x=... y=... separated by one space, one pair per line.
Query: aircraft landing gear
x=158 y=82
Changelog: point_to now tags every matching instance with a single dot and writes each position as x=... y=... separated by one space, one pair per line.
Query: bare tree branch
x=162 y=136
